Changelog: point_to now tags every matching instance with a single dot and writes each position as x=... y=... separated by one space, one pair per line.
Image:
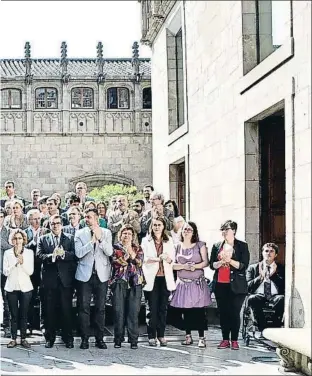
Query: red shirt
x=224 y=273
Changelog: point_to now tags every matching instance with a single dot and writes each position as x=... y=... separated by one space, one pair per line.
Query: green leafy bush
x=108 y=191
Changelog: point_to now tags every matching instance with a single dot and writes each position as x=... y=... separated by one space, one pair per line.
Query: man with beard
x=147 y=191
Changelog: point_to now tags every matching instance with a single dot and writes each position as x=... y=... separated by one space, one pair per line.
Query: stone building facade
x=234 y=124
x=65 y=120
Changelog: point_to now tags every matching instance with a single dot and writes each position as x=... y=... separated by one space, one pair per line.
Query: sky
x=82 y=24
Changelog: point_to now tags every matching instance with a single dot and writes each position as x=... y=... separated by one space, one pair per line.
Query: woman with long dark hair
x=192 y=294
x=159 y=255
x=229 y=258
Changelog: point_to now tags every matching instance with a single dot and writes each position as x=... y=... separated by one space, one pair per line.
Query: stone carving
x=146 y=122
x=297 y=314
x=48 y=122
x=157 y=9
x=118 y=122
x=99 y=180
x=136 y=62
x=13 y=122
x=286 y=362
x=64 y=63
x=85 y=121
x=28 y=75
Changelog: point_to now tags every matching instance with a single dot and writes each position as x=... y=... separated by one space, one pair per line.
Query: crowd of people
x=87 y=247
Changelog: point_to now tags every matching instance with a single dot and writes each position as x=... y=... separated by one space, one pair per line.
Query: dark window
x=147 y=98
x=118 y=98
x=82 y=97
x=11 y=99
x=46 y=97
x=179 y=77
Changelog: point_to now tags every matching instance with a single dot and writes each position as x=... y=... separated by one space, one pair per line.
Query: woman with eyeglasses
x=159 y=256
x=18 y=266
x=17 y=219
x=92 y=205
x=126 y=285
x=229 y=258
x=192 y=294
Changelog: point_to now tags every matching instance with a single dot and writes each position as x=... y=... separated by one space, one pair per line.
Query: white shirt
x=35 y=232
x=260 y=289
x=18 y=275
x=176 y=237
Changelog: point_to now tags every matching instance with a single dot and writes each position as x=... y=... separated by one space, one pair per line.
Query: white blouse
x=18 y=275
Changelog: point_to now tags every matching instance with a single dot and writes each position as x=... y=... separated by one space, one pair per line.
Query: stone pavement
x=175 y=359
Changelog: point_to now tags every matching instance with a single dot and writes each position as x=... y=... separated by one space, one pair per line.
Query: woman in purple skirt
x=192 y=294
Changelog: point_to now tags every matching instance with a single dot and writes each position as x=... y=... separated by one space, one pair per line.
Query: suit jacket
x=146 y=220
x=64 y=268
x=32 y=244
x=70 y=230
x=238 y=276
x=254 y=280
x=87 y=255
x=150 y=270
x=18 y=276
x=3 y=200
x=5 y=232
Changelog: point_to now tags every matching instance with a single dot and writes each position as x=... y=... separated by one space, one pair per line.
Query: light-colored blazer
x=18 y=275
x=150 y=270
x=84 y=250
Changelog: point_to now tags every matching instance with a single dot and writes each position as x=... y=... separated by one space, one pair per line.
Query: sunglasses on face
x=188 y=229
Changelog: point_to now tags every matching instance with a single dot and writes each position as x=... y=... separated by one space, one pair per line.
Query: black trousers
x=158 y=306
x=257 y=302
x=18 y=304
x=35 y=280
x=229 y=305
x=85 y=290
x=195 y=319
x=55 y=299
x=126 y=308
x=6 y=310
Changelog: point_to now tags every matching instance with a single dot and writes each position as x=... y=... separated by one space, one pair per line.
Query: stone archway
x=99 y=180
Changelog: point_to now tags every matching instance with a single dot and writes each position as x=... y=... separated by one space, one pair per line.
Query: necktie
x=94 y=245
x=56 y=241
x=267 y=284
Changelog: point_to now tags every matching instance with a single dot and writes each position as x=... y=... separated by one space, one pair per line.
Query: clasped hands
x=20 y=259
x=97 y=234
x=165 y=257
x=58 y=252
x=190 y=266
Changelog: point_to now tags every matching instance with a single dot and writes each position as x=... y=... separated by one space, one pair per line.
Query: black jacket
x=66 y=268
x=238 y=276
x=254 y=280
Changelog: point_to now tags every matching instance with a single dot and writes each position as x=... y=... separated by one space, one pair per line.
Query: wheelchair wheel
x=247 y=340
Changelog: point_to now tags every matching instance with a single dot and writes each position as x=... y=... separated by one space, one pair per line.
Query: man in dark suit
x=34 y=232
x=74 y=215
x=56 y=250
x=266 y=282
x=9 y=187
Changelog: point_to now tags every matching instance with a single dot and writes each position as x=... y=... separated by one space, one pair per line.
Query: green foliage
x=2 y=192
x=108 y=191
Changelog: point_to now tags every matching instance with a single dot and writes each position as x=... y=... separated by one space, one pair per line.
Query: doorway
x=273 y=182
x=177 y=179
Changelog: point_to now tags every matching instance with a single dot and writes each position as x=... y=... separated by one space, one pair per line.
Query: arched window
x=118 y=98
x=147 y=98
x=46 y=97
x=11 y=99
x=82 y=97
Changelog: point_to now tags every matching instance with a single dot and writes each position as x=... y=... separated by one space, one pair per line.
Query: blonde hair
x=134 y=234
x=17 y=231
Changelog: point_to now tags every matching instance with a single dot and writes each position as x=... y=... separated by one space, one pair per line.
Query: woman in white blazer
x=159 y=254
x=18 y=266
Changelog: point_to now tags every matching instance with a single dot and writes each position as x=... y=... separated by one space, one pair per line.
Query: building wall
x=220 y=100
x=51 y=149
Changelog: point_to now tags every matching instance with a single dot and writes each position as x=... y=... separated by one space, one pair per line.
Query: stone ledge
x=294 y=347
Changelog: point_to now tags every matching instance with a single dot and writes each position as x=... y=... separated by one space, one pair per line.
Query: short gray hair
x=32 y=212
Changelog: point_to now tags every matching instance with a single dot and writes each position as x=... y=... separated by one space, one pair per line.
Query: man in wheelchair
x=266 y=286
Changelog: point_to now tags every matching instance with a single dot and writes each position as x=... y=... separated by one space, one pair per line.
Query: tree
x=108 y=191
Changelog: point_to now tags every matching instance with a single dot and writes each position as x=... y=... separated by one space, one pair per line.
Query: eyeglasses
x=188 y=229
x=55 y=223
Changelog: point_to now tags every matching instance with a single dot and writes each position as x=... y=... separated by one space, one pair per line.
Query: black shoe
x=49 y=344
x=25 y=344
x=84 y=344
x=70 y=345
x=117 y=345
x=100 y=344
x=134 y=346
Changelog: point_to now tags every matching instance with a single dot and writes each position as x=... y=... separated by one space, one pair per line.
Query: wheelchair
x=250 y=326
